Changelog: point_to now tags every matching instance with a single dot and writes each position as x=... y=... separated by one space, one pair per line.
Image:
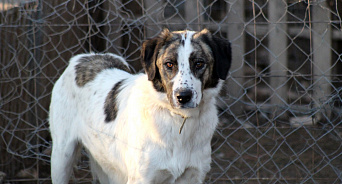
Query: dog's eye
x=169 y=65
x=199 y=65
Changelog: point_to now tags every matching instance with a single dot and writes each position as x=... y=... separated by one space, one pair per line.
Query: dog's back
x=71 y=105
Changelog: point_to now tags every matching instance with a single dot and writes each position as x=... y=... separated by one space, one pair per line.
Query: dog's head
x=184 y=63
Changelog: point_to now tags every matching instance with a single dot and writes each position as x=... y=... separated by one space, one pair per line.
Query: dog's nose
x=184 y=96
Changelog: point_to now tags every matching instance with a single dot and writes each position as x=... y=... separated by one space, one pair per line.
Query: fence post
x=236 y=22
x=321 y=37
x=277 y=42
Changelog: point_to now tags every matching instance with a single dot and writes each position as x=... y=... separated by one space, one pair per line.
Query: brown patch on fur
x=221 y=54
x=90 y=66
x=111 y=106
x=150 y=52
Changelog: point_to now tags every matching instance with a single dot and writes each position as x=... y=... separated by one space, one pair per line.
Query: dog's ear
x=223 y=57
x=149 y=53
x=148 y=57
x=222 y=54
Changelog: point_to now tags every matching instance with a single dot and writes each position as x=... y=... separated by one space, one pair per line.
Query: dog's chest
x=177 y=162
x=183 y=153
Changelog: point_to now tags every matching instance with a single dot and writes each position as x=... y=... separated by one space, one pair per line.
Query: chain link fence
x=280 y=110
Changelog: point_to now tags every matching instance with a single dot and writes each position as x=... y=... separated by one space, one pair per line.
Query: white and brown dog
x=131 y=125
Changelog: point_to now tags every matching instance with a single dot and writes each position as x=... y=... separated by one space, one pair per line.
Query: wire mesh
x=280 y=110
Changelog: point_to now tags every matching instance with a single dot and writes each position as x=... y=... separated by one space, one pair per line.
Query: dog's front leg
x=136 y=181
x=159 y=177
x=145 y=182
x=190 y=176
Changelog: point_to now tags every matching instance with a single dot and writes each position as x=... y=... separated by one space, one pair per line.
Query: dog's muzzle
x=183 y=98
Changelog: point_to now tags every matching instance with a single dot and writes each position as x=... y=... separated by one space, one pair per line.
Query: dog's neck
x=185 y=117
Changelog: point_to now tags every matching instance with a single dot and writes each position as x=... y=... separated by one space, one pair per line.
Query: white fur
x=142 y=145
x=184 y=78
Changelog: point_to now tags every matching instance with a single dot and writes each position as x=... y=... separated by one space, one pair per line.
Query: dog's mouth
x=185 y=106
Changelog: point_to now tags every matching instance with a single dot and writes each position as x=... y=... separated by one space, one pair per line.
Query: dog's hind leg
x=63 y=157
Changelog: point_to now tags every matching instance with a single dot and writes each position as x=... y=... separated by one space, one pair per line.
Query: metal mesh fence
x=280 y=110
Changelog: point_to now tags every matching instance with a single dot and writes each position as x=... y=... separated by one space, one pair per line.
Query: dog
x=147 y=128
